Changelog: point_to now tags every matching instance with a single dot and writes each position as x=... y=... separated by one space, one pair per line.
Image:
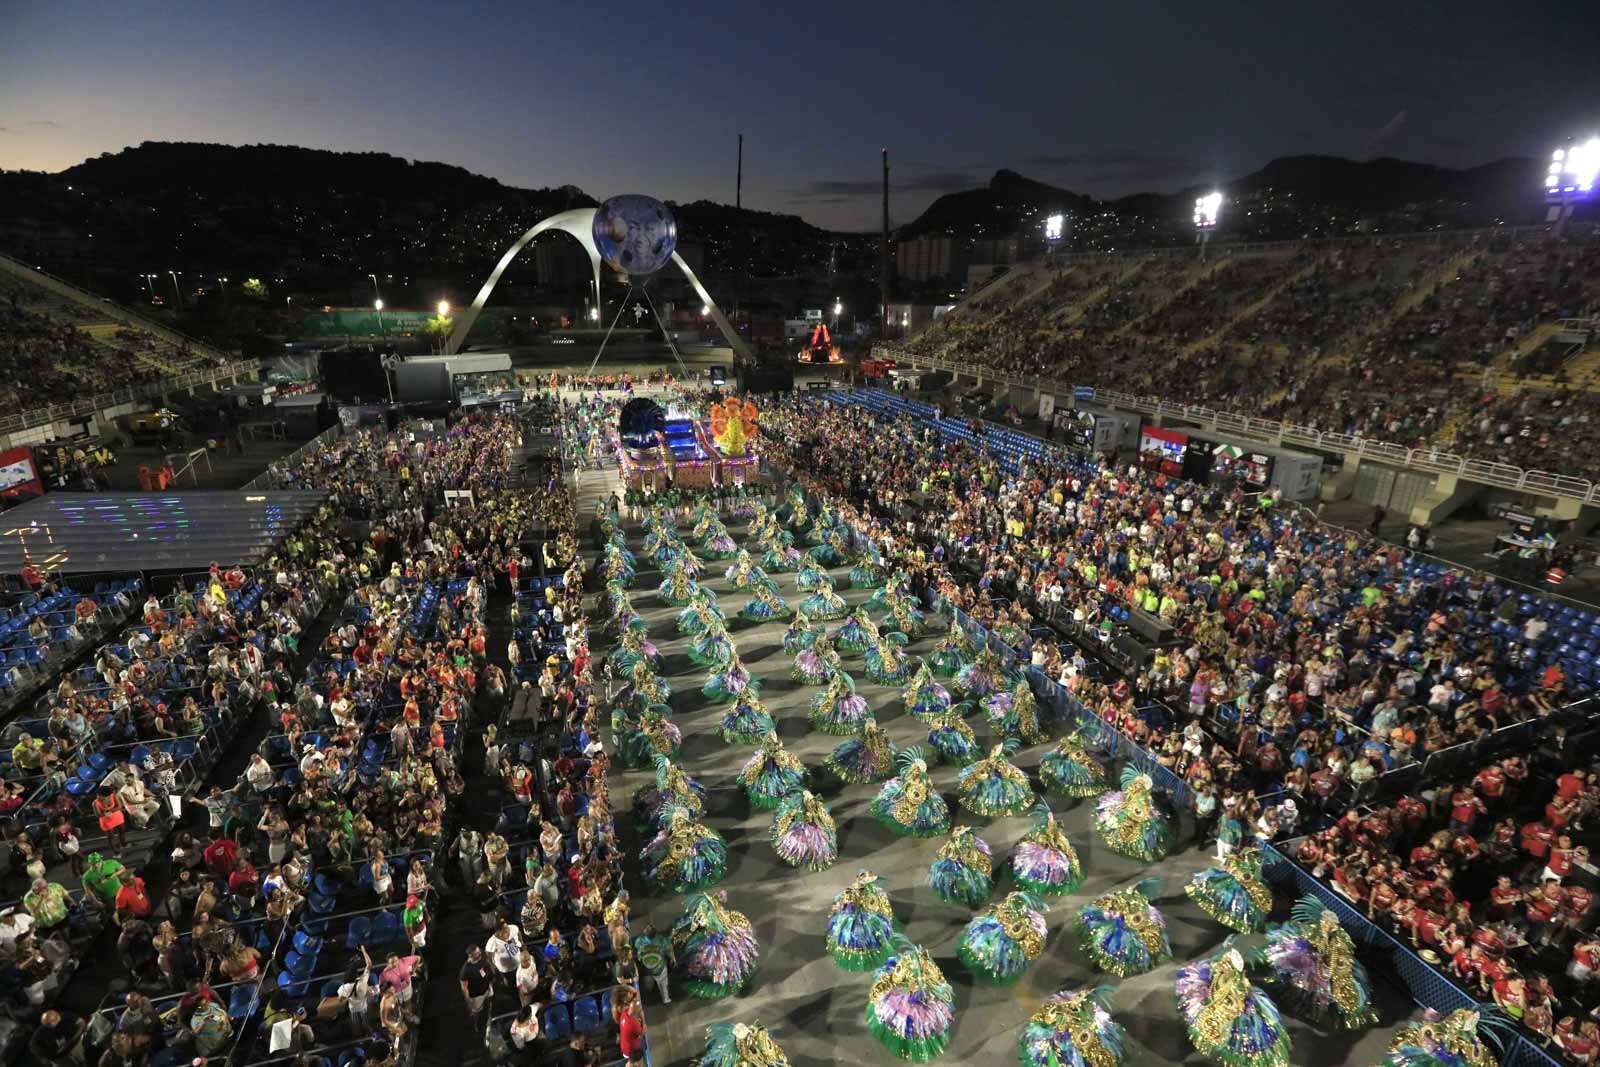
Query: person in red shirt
x=1537 y=839
x=1570 y=785
x=1491 y=783
x=1585 y=959
x=1465 y=807
x=630 y=1024
x=1559 y=866
x=1503 y=898
x=132 y=901
x=219 y=856
x=242 y=879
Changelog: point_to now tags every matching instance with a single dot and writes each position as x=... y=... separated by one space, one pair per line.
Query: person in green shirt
x=48 y=903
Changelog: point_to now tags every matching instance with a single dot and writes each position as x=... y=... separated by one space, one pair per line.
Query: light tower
x=1207 y=209
x=1055 y=227
x=1570 y=179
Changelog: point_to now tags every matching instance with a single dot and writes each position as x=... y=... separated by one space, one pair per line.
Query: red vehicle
x=877 y=368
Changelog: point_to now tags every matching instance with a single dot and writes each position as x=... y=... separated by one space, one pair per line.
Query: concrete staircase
x=1253 y=308
x=1203 y=270
x=1071 y=312
x=1416 y=294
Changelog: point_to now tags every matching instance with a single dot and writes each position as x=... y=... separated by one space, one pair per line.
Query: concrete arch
x=579 y=222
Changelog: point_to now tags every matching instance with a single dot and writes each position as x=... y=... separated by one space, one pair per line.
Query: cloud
x=838 y=191
x=1386 y=132
x=42 y=124
x=1121 y=167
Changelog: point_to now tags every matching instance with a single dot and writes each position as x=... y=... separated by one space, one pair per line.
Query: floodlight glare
x=1573 y=170
x=1053 y=227
x=1206 y=211
x=377 y=305
x=444 y=308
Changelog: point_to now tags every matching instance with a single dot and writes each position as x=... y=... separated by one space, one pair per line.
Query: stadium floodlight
x=1207 y=209
x=377 y=305
x=1574 y=170
x=444 y=308
x=1570 y=178
x=1054 y=226
x=705 y=310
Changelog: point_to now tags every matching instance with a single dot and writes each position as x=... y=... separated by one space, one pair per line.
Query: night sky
x=618 y=97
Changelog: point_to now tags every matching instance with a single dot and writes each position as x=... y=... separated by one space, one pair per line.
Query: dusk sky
x=619 y=97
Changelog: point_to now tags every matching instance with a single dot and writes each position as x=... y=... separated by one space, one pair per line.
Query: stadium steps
x=1203 y=270
x=1582 y=371
x=1415 y=295
x=1254 y=308
x=1070 y=313
x=1445 y=435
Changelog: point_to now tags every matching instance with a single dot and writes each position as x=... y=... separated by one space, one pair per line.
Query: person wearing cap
x=415 y=920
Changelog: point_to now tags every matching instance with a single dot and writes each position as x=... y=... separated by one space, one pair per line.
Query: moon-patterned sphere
x=635 y=234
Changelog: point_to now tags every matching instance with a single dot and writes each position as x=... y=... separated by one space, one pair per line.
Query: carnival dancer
x=1234 y=894
x=886 y=659
x=999 y=944
x=685 y=855
x=908 y=804
x=679 y=586
x=962 y=872
x=715 y=947
x=1072 y=770
x=645 y=687
x=953 y=654
x=858 y=633
x=838 y=709
x=781 y=558
x=1122 y=933
x=731 y=682
x=952 y=740
x=818 y=664
x=634 y=648
x=713 y=648
x=771 y=774
x=1229 y=1019
x=765 y=605
x=1313 y=959
x=860 y=925
x=1129 y=821
x=748 y=722
x=823 y=605
x=992 y=787
x=1015 y=713
x=1044 y=861
x=800 y=634
x=910 y=1005
x=868 y=570
x=674 y=790
x=701 y=614
x=906 y=618
x=803 y=832
x=1464 y=1038
x=863 y=759
x=984 y=675
x=645 y=735
x=717 y=544
x=1073 y=1030
x=925 y=698
x=741 y=1045
x=811 y=573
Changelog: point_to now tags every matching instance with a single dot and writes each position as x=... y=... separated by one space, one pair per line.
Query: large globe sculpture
x=635 y=234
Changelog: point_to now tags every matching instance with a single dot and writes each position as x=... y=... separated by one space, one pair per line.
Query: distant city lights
x=1573 y=170
x=1206 y=211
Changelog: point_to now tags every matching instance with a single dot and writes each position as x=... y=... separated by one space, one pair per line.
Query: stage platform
x=77 y=533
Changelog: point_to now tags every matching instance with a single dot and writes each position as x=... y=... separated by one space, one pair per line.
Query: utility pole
x=883 y=258
x=738 y=180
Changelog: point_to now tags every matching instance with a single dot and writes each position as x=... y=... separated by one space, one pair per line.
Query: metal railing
x=1501 y=475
